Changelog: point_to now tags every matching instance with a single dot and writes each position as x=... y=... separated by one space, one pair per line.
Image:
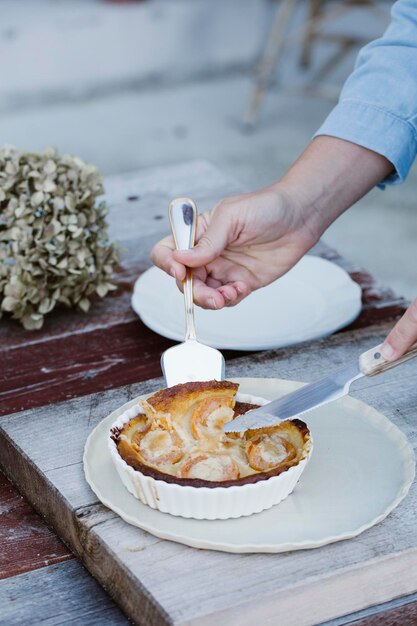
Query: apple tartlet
x=178 y=438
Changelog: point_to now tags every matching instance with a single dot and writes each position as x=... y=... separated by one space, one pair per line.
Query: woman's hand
x=402 y=336
x=248 y=241
x=245 y=242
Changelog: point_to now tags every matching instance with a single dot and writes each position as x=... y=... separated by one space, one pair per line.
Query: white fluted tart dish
x=171 y=453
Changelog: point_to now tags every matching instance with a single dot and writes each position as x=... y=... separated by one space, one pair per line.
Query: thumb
x=209 y=246
x=402 y=336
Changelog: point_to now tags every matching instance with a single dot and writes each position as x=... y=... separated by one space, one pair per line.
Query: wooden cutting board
x=160 y=582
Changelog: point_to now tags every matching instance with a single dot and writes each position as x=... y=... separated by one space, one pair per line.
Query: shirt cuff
x=371 y=127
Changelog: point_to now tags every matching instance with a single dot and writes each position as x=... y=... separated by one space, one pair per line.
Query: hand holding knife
x=321 y=392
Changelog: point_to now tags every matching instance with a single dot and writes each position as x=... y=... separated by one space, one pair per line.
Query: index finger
x=402 y=336
x=162 y=257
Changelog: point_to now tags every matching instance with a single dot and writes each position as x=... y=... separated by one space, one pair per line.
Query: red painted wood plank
x=26 y=543
x=75 y=365
x=405 y=615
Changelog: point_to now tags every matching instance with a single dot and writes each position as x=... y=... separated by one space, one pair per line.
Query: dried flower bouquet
x=54 y=246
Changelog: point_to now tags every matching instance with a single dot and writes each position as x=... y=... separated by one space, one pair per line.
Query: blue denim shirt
x=378 y=103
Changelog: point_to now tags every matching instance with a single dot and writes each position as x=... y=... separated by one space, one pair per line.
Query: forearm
x=329 y=177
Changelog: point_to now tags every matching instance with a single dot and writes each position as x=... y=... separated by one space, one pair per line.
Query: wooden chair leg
x=315 y=7
x=267 y=66
x=278 y=37
x=346 y=44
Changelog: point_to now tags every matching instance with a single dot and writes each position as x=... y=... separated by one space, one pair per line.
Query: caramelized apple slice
x=135 y=428
x=206 y=466
x=269 y=450
x=160 y=446
x=210 y=415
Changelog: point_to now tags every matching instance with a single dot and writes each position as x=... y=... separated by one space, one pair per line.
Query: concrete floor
x=181 y=100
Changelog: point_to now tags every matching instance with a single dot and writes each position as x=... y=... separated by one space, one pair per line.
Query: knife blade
x=311 y=396
x=298 y=402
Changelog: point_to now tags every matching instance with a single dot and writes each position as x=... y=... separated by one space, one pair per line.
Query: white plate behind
x=361 y=468
x=312 y=300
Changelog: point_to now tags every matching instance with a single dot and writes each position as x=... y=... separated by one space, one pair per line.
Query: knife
x=325 y=390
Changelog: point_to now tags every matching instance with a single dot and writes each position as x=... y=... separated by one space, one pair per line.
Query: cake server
x=191 y=360
x=333 y=387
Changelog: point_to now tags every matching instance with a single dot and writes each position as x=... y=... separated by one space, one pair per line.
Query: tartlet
x=171 y=453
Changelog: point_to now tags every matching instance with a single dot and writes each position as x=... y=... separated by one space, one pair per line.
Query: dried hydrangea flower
x=54 y=246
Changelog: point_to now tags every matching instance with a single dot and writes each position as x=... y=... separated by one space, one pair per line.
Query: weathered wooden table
x=106 y=354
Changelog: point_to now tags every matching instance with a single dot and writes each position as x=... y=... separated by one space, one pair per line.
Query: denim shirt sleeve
x=378 y=103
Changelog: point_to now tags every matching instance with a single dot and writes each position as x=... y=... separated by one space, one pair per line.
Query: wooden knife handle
x=372 y=362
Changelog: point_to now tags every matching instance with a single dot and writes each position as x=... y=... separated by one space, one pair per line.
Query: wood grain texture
x=175 y=584
x=58 y=594
x=26 y=542
x=373 y=363
x=75 y=365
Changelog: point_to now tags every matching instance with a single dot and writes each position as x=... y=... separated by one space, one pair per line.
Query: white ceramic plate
x=361 y=469
x=312 y=300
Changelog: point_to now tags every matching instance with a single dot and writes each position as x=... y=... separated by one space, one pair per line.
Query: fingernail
x=387 y=351
x=173 y=273
x=212 y=303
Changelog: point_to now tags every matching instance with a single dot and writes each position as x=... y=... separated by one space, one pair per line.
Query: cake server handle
x=183 y=218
